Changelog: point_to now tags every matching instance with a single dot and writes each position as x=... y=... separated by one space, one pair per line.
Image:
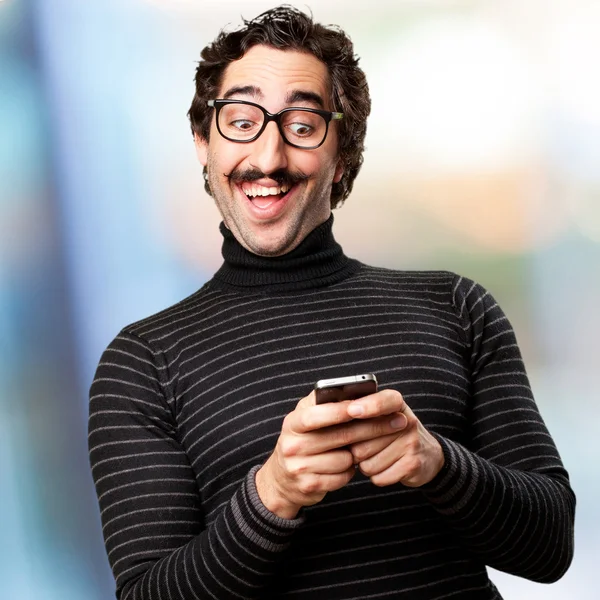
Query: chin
x=266 y=240
x=265 y=249
x=271 y=245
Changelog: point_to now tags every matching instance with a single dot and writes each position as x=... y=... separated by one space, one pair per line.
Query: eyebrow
x=304 y=96
x=293 y=96
x=243 y=90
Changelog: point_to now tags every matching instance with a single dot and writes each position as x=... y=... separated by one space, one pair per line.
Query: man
x=215 y=480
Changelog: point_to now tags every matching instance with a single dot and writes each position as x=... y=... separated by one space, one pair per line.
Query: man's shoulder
x=407 y=278
x=161 y=323
x=440 y=286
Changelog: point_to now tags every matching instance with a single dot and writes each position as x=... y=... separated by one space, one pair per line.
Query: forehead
x=276 y=73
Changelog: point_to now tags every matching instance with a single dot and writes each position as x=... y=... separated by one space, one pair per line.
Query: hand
x=411 y=456
x=312 y=457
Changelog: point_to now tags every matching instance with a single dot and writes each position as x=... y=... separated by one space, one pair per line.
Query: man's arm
x=155 y=536
x=507 y=495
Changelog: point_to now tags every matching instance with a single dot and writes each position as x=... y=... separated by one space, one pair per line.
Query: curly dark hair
x=287 y=28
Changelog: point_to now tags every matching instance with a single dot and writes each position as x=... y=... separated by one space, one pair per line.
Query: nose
x=269 y=150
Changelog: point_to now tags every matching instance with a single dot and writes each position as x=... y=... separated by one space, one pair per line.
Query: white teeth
x=253 y=190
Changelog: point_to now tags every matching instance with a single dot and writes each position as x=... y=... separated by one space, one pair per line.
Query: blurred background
x=483 y=157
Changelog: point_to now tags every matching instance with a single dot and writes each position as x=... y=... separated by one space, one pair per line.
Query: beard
x=282 y=235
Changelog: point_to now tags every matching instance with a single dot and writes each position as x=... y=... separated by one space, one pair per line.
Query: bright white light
x=577 y=43
x=252 y=7
x=455 y=95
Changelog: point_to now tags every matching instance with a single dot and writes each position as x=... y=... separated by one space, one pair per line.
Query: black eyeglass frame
x=328 y=116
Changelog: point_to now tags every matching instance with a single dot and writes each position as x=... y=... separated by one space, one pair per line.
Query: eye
x=301 y=129
x=242 y=124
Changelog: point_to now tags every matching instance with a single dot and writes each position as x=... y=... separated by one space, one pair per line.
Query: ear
x=339 y=172
x=201 y=149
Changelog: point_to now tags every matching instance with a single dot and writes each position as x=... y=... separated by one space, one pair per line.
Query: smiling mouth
x=262 y=196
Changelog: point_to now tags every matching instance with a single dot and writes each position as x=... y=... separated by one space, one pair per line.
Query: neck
x=317 y=261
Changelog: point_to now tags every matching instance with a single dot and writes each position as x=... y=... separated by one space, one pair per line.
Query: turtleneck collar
x=317 y=261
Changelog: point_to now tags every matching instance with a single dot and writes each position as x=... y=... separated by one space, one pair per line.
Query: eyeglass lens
x=240 y=122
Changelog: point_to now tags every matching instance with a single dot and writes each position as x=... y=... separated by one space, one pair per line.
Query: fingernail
x=398 y=422
x=355 y=410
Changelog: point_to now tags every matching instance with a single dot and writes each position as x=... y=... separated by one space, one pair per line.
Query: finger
x=384 y=402
x=307 y=401
x=356 y=431
x=335 y=461
x=411 y=471
x=329 y=482
x=314 y=485
x=395 y=473
x=385 y=458
x=326 y=439
x=310 y=417
x=361 y=451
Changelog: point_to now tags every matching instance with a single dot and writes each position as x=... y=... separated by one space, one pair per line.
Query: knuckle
x=344 y=436
x=409 y=428
x=297 y=468
x=360 y=452
x=395 y=397
x=348 y=460
x=302 y=419
x=298 y=420
x=413 y=446
x=307 y=400
x=340 y=415
x=382 y=427
x=309 y=485
x=413 y=465
x=290 y=446
x=308 y=420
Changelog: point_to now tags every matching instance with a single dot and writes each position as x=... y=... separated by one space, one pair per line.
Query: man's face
x=272 y=225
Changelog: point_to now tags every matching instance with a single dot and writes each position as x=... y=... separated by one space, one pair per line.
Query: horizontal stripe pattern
x=187 y=405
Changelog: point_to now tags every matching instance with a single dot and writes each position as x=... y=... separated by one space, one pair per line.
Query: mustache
x=282 y=176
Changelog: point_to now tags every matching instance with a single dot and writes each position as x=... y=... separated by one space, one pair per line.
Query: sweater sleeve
x=507 y=495
x=157 y=543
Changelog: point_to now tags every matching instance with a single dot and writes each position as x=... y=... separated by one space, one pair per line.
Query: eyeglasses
x=243 y=122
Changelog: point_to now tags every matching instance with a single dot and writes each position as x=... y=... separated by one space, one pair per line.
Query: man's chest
x=237 y=383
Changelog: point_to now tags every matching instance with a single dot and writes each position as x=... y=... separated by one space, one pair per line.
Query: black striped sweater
x=187 y=404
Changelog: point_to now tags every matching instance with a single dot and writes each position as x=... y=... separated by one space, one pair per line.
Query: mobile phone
x=345 y=388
